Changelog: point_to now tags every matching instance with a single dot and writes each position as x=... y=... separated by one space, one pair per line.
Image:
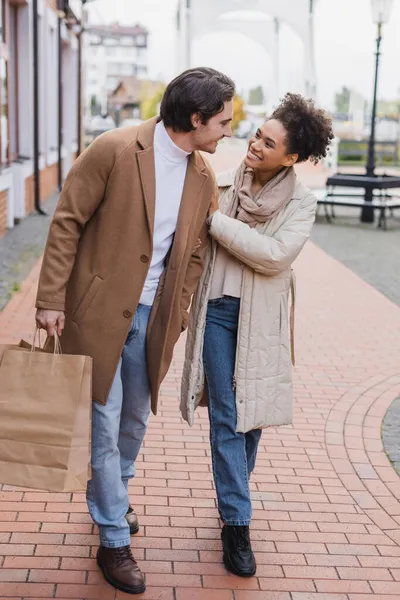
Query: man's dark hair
x=201 y=90
x=309 y=129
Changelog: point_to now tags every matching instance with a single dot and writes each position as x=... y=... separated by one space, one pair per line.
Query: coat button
x=144 y=258
x=127 y=314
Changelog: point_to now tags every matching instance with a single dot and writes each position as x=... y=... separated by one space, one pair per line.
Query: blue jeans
x=233 y=454
x=118 y=429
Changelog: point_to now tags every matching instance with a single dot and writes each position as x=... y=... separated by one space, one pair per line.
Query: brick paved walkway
x=327 y=512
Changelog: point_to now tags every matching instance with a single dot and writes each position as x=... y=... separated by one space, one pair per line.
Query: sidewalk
x=326 y=499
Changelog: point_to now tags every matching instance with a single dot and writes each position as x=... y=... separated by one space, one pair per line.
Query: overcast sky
x=345 y=41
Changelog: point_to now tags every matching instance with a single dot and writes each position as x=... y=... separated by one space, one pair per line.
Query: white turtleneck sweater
x=170 y=165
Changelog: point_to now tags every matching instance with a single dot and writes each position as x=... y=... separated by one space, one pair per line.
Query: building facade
x=40 y=108
x=113 y=52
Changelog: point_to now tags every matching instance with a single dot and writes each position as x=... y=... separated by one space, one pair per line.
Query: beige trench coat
x=263 y=372
x=99 y=250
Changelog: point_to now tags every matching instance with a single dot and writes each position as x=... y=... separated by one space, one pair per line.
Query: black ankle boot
x=238 y=555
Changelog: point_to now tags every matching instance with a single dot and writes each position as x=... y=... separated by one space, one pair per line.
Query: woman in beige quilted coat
x=240 y=344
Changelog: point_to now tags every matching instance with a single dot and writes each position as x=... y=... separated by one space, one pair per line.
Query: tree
x=238 y=111
x=342 y=101
x=149 y=105
x=256 y=96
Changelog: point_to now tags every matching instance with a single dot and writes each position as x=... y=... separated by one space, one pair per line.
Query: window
x=110 y=42
x=126 y=41
x=52 y=89
x=141 y=40
x=112 y=83
x=141 y=71
x=110 y=51
x=95 y=39
x=141 y=54
x=121 y=69
x=13 y=85
x=4 y=131
x=3 y=21
x=128 y=69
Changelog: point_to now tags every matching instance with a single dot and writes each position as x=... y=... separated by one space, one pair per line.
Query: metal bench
x=381 y=202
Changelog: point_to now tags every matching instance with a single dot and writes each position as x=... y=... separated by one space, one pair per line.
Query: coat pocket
x=87 y=299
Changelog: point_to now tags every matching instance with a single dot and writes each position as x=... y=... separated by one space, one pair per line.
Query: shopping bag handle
x=57 y=343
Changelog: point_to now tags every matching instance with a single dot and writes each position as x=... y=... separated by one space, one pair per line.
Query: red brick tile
x=26 y=590
x=81 y=539
x=161 y=580
x=185 y=594
x=16 y=526
x=186 y=556
x=56 y=576
x=22 y=506
x=8 y=516
x=332 y=560
x=76 y=564
x=323 y=538
x=42 y=517
x=288 y=585
x=254 y=595
x=230 y=582
x=342 y=527
x=363 y=573
x=356 y=550
x=97 y=592
x=342 y=587
x=370 y=597
x=49 y=550
x=292 y=526
x=316 y=596
x=369 y=539
x=8 y=575
x=310 y=572
x=151 y=593
x=275 y=558
x=31 y=562
x=37 y=538
x=16 y=549
x=197 y=568
x=301 y=548
x=386 y=587
x=46 y=497
x=79 y=528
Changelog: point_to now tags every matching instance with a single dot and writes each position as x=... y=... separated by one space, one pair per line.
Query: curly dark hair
x=309 y=129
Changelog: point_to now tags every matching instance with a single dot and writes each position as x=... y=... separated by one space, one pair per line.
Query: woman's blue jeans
x=233 y=454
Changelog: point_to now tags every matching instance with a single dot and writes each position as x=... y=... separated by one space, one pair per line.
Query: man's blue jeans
x=118 y=429
x=233 y=454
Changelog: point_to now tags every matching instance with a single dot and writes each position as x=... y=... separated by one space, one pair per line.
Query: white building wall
x=13 y=179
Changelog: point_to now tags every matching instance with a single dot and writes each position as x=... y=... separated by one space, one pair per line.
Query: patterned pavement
x=326 y=499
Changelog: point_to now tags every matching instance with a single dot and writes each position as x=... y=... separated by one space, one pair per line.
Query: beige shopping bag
x=45 y=418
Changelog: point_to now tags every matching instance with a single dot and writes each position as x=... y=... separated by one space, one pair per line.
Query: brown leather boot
x=132 y=519
x=121 y=570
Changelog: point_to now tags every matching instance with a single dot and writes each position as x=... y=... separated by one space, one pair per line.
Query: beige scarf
x=270 y=200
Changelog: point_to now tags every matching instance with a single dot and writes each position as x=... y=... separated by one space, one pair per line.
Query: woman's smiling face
x=267 y=149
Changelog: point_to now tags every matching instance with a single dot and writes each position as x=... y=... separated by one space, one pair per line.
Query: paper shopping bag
x=45 y=419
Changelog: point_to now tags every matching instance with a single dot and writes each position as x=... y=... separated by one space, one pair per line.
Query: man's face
x=206 y=137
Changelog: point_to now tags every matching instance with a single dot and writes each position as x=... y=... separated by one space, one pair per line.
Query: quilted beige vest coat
x=265 y=351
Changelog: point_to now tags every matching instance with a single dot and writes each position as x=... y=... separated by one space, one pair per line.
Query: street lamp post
x=381 y=12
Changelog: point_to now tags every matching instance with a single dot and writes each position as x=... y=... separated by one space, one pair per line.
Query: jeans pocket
x=215 y=302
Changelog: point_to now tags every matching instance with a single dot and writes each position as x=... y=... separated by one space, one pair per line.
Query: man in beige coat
x=123 y=258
